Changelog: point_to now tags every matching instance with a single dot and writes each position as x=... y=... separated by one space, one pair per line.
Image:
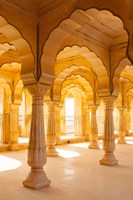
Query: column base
x=36 y=179
x=87 y=138
x=94 y=145
x=108 y=159
x=121 y=141
x=51 y=151
x=13 y=147
x=128 y=134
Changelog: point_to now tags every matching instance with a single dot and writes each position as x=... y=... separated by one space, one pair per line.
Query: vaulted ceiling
x=66 y=40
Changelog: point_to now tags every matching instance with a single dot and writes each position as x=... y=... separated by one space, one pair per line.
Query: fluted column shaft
x=37 y=149
x=109 y=140
x=88 y=124
x=51 y=129
x=127 y=119
x=122 y=131
x=14 y=127
x=58 y=124
x=94 y=129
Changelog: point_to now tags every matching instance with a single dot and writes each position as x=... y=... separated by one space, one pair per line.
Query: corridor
x=76 y=174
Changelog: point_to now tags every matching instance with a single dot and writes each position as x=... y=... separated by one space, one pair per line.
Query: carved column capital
x=109 y=100
x=93 y=108
x=37 y=89
x=51 y=104
x=120 y=109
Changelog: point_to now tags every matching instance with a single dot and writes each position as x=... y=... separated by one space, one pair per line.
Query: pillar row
x=37 y=149
x=109 y=140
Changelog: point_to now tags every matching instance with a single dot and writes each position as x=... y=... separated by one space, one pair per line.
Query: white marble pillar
x=109 y=140
x=14 y=127
x=51 y=129
x=37 y=148
x=122 y=131
x=94 y=128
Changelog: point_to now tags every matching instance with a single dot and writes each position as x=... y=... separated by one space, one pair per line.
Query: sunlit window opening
x=69 y=110
x=7 y=163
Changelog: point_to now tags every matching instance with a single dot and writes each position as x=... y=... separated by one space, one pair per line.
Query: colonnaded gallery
x=66 y=76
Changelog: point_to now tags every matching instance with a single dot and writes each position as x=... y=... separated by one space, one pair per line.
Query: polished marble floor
x=75 y=175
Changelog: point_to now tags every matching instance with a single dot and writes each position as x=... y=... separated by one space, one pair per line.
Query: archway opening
x=69 y=115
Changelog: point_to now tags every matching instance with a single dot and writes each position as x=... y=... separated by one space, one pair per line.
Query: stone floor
x=75 y=175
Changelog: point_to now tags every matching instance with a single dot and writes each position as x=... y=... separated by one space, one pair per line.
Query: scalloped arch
x=75 y=80
x=66 y=28
x=73 y=90
x=117 y=73
x=23 y=48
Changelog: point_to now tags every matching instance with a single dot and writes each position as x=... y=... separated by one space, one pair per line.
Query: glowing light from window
x=23 y=140
x=69 y=106
x=67 y=153
x=7 y=163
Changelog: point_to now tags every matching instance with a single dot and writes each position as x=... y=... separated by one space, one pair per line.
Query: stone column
x=109 y=140
x=51 y=129
x=84 y=120
x=37 y=148
x=122 y=131
x=127 y=119
x=94 y=129
x=58 y=125
x=88 y=124
x=14 y=127
x=6 y=119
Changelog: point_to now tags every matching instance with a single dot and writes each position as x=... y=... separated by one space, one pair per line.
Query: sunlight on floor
x=129 y=141
x=85 y=145
x=7 y=163
x=23 y=140
x=82 y=145
x=67 y=153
